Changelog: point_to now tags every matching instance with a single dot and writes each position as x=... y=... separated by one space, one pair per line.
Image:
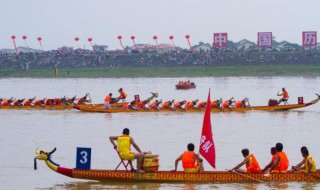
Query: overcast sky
x=58 y=22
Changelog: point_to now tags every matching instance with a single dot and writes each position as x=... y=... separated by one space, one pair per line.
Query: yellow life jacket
x=124 y=144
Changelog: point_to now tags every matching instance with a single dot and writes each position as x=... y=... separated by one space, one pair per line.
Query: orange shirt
x=37 y=103
x=5 y=103
x=189 y=105
x=153 y=104
x=123 y=94
x=285 y=94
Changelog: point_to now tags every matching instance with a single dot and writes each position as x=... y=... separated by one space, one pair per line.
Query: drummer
x=189 y=159
x=124 y=142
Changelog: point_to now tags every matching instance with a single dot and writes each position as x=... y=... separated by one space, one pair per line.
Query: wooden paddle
x=246 y=176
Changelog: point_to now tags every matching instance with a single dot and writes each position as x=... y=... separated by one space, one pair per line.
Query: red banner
x=207 y=149
x=309 y=38
x=220 y=39
x=265 y=39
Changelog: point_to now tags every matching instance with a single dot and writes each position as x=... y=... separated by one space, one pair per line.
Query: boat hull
x=167 y=176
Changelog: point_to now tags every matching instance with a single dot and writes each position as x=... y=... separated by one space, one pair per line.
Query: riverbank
x=185 y=71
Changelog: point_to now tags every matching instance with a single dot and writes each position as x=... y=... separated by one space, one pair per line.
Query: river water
x=166 y=134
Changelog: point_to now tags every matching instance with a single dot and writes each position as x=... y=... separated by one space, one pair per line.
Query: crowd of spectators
x=84 y=58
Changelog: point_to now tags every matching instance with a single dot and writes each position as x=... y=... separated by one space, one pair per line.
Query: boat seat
x=122 y=162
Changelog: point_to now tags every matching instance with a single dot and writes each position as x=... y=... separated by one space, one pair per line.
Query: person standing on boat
x=107 y=101
x=123 y=94
x=284 y=94
x=252 y=165
x=124 y=142
x=281 y=162
x=273 y=153
x=189 y=159
x=308 y=164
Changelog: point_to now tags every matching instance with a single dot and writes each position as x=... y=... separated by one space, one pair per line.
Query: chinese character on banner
x=220 y=39
x=309 y=38
x=265 y=39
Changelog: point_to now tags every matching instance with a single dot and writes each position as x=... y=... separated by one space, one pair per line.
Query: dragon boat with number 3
x=170 y=177
x=99 y=108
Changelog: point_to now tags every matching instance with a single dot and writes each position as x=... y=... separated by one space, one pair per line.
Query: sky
x=58 y=22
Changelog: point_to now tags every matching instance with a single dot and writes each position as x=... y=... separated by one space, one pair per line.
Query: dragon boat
x=98 y=108
x=169 y=176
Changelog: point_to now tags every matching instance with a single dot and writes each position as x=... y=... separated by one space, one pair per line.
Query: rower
x=123 y=94
x=124 y=142
x=107 y=101
x=281 y=162
x=308 y=164
x=142 y=105
x=189 y=159
x=228 y=103
x=216 y=103
x=83 y=99
x=242 y=103
x=71 y=100
x=155 y=105
x=18 y=102
x=7 y=102
x=202 y=105
x=252 y=165
x=57 y=101
x=192 y=104
x=39 y=102
x=285 y=96
x=273 y=151
x=49 y=102
x=168 y=105
x=178 y=105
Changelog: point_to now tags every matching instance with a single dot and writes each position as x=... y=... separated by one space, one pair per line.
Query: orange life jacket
x=16 y=103
x=202 y=105
x=125 y=105
x=5 y=103
x=37 y=103
x=141 y=104
x=213 y=104
x=165 y=105
x=188 y=160
x=189 y=105
x=48 y=101
x=252 y=165
x=153 y=104
x=239 y=104
x=27 y=102
x=57 y=101
x=283 y=163
x=177 y=105
x=226 y=104
x=107 y=99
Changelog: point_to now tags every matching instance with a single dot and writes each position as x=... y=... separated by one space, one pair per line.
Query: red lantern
x=76 y=39
x=24 y=37
x=119 y=37
x=89 y=39
x=187 y=36
x=171 y=37
x=133 y=37
x=39 y=38
x=155 y=37
x=13 y=37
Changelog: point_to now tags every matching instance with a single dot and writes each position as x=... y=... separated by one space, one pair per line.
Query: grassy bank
x=187 y=71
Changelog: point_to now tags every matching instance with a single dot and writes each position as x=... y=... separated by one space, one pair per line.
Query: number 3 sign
x=83 y=158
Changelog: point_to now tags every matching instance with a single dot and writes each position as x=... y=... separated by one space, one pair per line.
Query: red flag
x=207 y=149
